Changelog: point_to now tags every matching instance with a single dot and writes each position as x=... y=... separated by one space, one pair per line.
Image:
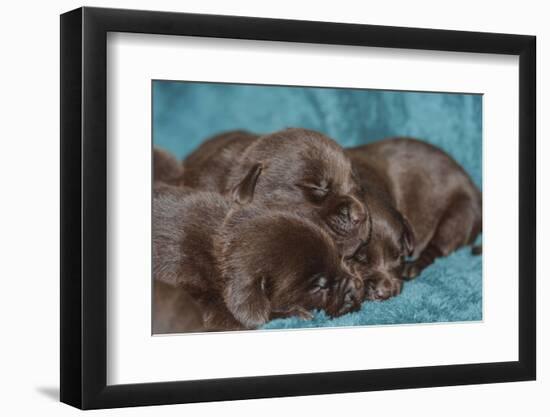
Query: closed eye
x=315 y=190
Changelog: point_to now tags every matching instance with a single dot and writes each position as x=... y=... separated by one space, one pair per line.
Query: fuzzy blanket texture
x=187 y=113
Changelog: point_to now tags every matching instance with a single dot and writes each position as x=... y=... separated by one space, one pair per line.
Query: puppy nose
x=380 y=287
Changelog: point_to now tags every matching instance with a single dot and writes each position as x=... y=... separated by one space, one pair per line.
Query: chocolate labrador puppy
x=278 y=264
x=301 y=170
x=308 y=173
x=245 y=265
x=423 y=205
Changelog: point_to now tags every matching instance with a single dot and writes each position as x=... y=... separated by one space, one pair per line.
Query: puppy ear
x=243 y=192
x=408 y=237
x=246 y=299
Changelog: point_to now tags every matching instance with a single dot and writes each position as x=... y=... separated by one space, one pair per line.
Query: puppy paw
x=411 y=270
x=304 y=314
x=382 y=288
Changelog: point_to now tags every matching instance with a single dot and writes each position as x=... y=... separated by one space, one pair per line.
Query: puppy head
x=275 y=263
x=380 y=263
x=306 y=170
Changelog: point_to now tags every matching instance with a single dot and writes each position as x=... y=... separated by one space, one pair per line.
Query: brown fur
x=208 y=167
x=245 y=265
x=305 y=172
x=184 y=223
x=301 y=170
x=166 y=168
x=422 y=204
x=174 y=310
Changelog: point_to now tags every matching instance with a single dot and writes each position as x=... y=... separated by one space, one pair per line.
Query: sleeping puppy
x=278 y=264
x=166 y=168
x=308 y=173
x=302 y=170
x=423 y=205
x=245 y=265
x=380 y=261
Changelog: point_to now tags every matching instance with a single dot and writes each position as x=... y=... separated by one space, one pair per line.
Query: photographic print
x=325 y=187
x=283 y=207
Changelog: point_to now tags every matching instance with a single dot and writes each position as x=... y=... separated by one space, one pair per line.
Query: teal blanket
x=184 y=114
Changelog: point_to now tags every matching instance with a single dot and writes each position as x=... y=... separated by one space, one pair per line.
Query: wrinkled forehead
x=304 y=155
x=325 y=166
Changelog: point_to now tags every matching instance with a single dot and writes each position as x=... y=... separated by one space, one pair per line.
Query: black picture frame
x=84 y=207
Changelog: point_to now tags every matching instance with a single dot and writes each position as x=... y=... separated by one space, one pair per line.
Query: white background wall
x=29 y=226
